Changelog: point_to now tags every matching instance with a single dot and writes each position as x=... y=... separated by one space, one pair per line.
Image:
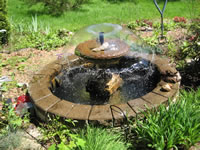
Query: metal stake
x=161 y=13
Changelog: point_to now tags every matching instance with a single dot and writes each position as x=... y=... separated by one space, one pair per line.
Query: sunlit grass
x=176 y=126
x=98 y=11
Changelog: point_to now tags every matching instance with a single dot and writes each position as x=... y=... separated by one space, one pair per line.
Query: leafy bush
x=176 y=126
x=4 y=25
x=101 y=139
x=57 y=7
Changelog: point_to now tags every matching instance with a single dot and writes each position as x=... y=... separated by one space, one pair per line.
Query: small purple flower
x=60 y=55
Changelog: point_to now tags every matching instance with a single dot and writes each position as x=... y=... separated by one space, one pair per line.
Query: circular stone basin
x=45 y=102
x=86 y=49
x=130 y=78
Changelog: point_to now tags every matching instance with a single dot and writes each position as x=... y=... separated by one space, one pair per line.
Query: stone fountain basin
x=46 y=103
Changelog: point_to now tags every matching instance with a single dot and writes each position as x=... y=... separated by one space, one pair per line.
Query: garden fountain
x=112 y=75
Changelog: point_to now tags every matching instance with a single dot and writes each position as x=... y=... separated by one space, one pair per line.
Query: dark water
x=139 y=78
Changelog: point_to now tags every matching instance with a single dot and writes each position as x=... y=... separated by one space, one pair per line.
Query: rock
x=170 y=79
x=167 y=70
x=166 y=87
x=142 y=29
x=114 y=83
x=5 y=51
x=149 y=29
x=178 y=76
x=5 y=79
x=173 y=79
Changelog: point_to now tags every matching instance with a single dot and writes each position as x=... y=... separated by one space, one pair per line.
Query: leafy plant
x=175 y=126
x=42 y=41
x=191 y=47
x=11 y=141
x=10 y=121
x=101 y=139
x=60 y=134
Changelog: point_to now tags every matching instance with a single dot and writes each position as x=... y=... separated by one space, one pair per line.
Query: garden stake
x=161 y=13
x=125 y=126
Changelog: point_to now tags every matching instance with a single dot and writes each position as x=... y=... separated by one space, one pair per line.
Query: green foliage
x=97 y=11
x=14 y=62
x=61 y=135
x=11 y=141
x=101 y=139
x=57 y=7
x=42 y=41
x=4 y=25
x=176 y=126
x=10 y=121
x=117 y=1
x=36 y=35
x=191 y=47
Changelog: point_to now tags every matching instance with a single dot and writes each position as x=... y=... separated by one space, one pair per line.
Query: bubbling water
x=139 y=77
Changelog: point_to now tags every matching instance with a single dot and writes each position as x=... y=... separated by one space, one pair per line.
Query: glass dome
x=111 y=31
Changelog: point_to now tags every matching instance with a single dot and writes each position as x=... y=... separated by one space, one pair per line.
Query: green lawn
x=98 y=11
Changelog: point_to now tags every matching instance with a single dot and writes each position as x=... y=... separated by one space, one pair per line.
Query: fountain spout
x=101 y=37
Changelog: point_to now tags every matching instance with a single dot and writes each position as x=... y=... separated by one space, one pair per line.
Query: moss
x=4 y=36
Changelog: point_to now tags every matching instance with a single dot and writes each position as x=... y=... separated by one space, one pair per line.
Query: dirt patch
x=36 y=60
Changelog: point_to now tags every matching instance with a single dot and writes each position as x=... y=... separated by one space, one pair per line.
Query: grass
x=101 y=139
x=98 y=11
x=176 y=126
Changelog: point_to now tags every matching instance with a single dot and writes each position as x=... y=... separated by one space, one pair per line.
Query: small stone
x=178 y=77
x=170 y=79
x=166 y=87
x=142 y=29
x=5 y=79
x=149 y=29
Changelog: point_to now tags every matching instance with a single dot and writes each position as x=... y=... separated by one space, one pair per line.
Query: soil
x=38 y=59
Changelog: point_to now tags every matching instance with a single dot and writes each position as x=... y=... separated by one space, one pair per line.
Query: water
x=139 y=78
x=108 y=29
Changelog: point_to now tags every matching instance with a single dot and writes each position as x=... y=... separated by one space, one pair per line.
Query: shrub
x=179 y=19
x=57 y=7
x=4 y=25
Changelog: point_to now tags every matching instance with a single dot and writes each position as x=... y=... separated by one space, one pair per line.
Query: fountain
x=113 y=75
